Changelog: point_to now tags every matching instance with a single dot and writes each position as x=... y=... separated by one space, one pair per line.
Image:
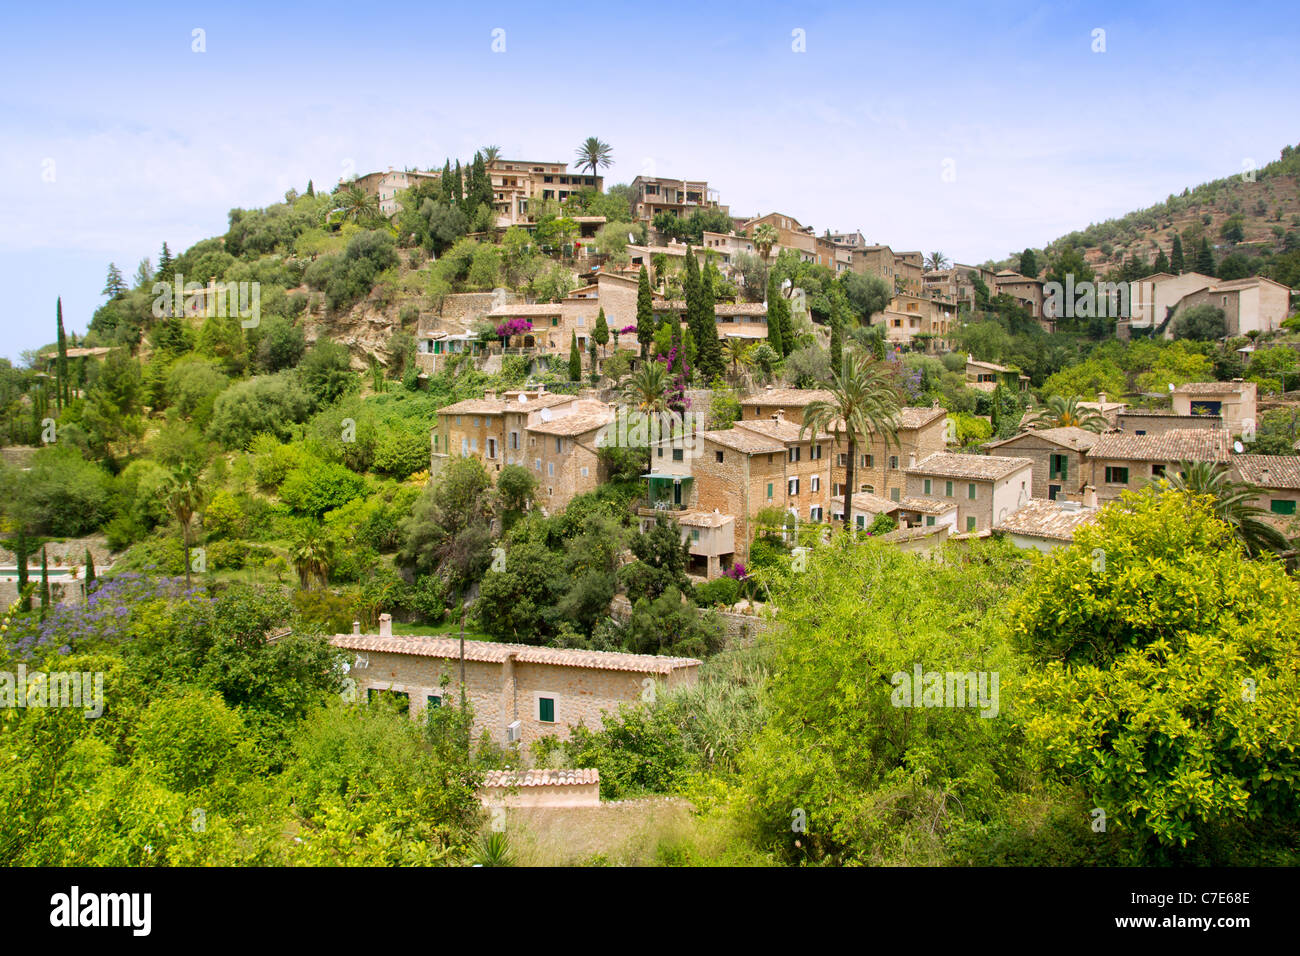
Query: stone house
x=563 y=454
x=1278 y=475
x=879 y=468
x=1121 y=462
x=789 y=403
x=1157 y=421
x=492 y=428
x=1046 y=525
x=985 y=488
x=1059 y=456
x=547 y=690
x=515 y=182
x=1233 y=401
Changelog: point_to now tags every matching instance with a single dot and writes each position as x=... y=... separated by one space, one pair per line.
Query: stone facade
x=1059 y=456
x=879 y=471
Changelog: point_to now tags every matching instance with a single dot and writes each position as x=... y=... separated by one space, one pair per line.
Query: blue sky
x=145 y=140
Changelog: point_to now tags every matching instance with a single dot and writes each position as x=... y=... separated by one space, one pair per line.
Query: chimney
x=780 y=415
x=1101 y=397
x=385 y=625
x=356 y=628
x=911 y=459
x=1089 y=496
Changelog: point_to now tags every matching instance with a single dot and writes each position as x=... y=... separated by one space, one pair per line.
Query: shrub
x=721 y=591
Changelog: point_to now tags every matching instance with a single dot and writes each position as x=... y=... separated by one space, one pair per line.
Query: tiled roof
x=911 y=416
x=1178 y=444
x=574 y=423
x=1269 y=471
x=506 y=779
x=927 y=506
x=1077 y=439
x=522 y=310
x=865 y=502
x=1214 y=388
x=1166 y=413
x=978 y=467
x=1046 y=519
x=475 y=406
x=913 y=534
x=704 y=519
x=745 y=441
x=989 y=366
x=787 y=397
x=784 y=430
x=494 y=653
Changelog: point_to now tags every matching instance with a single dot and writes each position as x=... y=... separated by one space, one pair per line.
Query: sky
x=975 y=129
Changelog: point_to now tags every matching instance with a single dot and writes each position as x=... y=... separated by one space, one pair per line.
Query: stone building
x=1120 y=462
x=984 y=488
x=1233 y=401
x=1059 y=455
x=879 y=470
x=547 y=690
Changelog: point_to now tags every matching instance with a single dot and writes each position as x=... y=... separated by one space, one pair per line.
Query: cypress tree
x=1029 y=264
x=63 y=389
x=600 y=334
x=480 y=184
x=45 y=583
x=1205 y=258
x=20 y=552
x=774 y=323
x=692 y=287
x=456 y=181
x=165 y=257
x=1176 y=256
x=1161 y=264
x=311 y=190
x=707 y=343
x=836 y=347
x=591 y=353
x=90 y=565
x=645 y=316
x=444 y=184
x=575 y=359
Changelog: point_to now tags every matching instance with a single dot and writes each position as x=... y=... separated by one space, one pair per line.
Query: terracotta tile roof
x=1046 y=519
x=1166 y=413
x=927 y=506
x=545 y=400
x=475 y=406
x=506 y=779
x=1077 y=439
x=1214 y=388
x=1268 y=471
x=785 y=430
x=495 y=653
x=866 y=503
x=575 y=423
x=787 y=397
x=1178 y=444
x=911 y=416
x=704 y=519
x=745 y=441
x=525 y=310
x=913 y=534
x=978 y=467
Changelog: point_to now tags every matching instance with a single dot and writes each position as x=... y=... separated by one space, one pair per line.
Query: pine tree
x=575 y=359
x=62 y=390
x=1162 y=262
x=775 y=325
x=1205 y=258
x=645 y=315
x=165 y=260
x=114 y=285
x=1028 y=267
x=311 y=189
x=1176 y=256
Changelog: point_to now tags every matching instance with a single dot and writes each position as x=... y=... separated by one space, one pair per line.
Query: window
x=550 y=469
x=815 y=513
x=869 y=489
x=1117 y=476
x=970 y=523
x=546 y=710
x=435 y=442
x=929 y=521
x=816 y=484
x=893 y=494
x=433 y=700
x=769 y=491
x=843 y=460
x=514 y=440
x=491 y=447
x=678 y=454
x=970 y=491
x=816 y=453
x=557 y=444
x=717 y=456
x=695 y=534
x=869 y=461
x=464 y=448
x=1157 y=471
x=926 y=485
x=792 y=486
x=893 y=461
x=584 y=471
x=1280 y=506
x=794 y=453
x=476 y=421
x=660 y=451
x=1058 y=466
x=947 y=488
x=537 y=464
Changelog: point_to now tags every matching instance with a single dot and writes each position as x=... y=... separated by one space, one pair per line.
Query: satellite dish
x=545 y=414
x=1171 y=386
x=523 y=399
x=631 y=239
x=1238 y=447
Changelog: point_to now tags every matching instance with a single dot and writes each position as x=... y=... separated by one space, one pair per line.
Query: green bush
x=722 y=591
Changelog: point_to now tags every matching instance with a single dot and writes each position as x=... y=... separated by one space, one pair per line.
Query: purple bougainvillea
x=513 y=327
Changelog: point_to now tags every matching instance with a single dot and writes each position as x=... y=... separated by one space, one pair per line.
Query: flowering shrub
x=513 y=327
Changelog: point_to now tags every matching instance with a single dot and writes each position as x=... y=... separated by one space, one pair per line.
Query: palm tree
x=1061 y=412
x=1231 y=501
x=358 y=205
x=593 y=155
x=184 y=496
x=490 y=153
x=736 y=352
x=646 y=389
x=312 y=556
x=765 y=237
x=863 y=403
x=936 y=261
